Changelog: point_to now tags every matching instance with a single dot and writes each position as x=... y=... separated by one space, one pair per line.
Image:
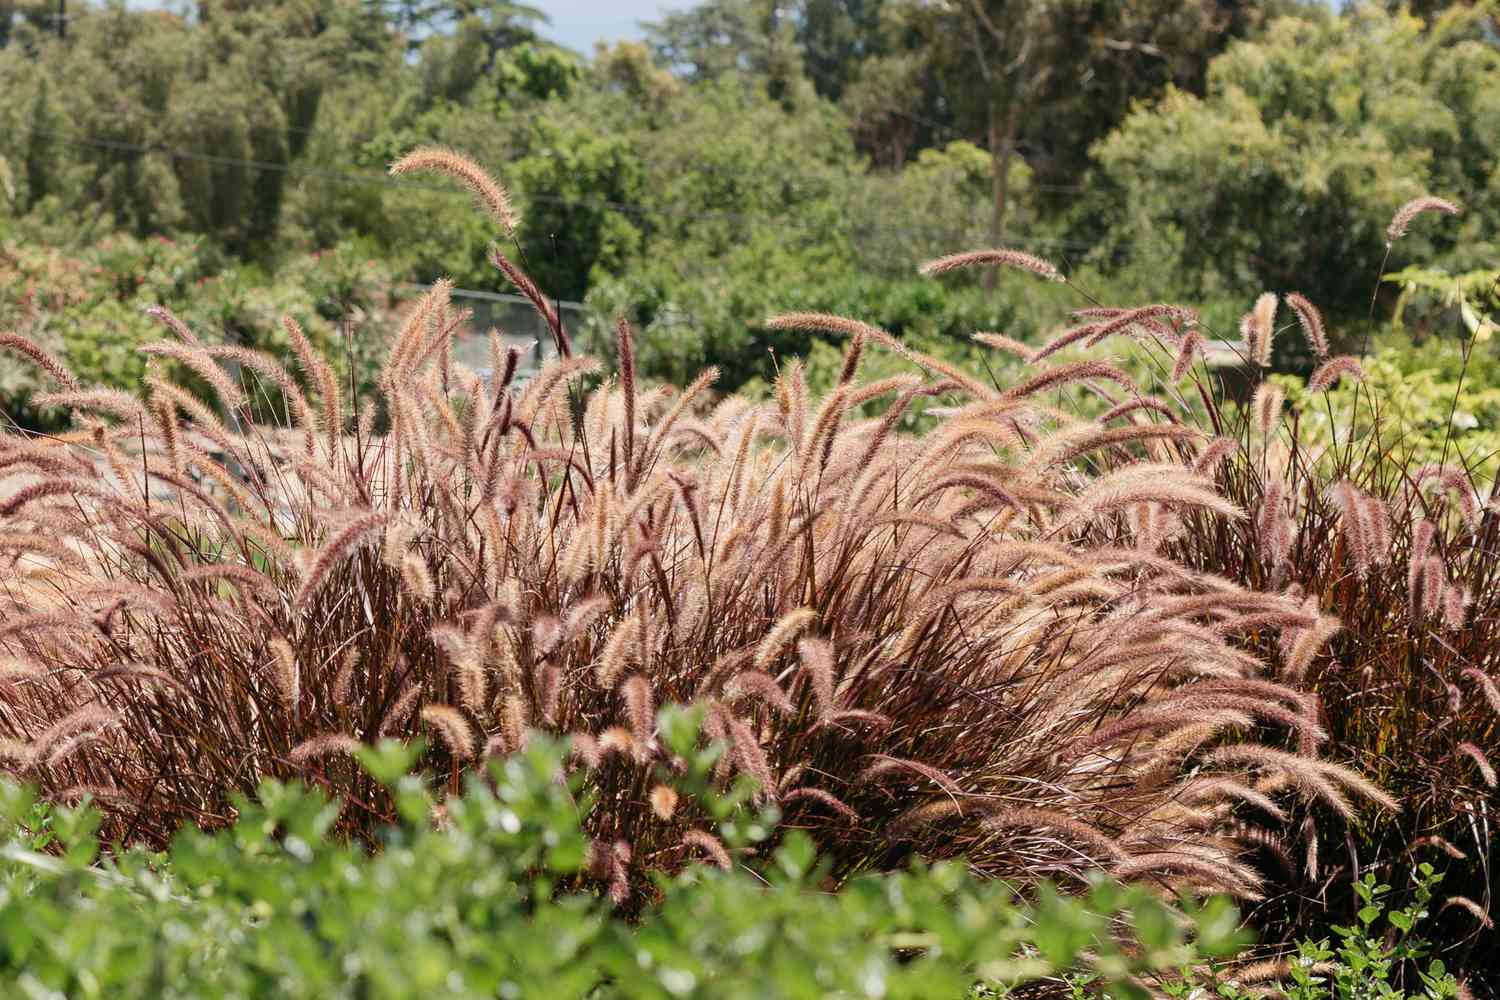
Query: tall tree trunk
x=1002 y=148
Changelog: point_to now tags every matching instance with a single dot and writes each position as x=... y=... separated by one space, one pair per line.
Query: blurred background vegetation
x=749 y=156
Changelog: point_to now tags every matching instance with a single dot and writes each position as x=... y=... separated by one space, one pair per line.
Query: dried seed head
x=1015 y=259
x=1311 y=321
x=663 y=801
x=449 y=723
x=1332 y=370
x=781 y=634
x=1406 y=213
x=1267 y=404
x=286 y=673
x=486 y=189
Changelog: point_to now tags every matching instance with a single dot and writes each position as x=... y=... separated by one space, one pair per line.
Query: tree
x=495 y=24
x=1041 y=78
x=1284 y=175
x=756 y=39
x=152 y=121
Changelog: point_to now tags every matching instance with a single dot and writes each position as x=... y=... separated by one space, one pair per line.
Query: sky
x=578 y=24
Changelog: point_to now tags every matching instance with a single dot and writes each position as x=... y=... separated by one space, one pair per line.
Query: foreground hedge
x=477 y=904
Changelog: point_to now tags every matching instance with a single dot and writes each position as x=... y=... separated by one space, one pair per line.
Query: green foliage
x=1308 y=139
x=1434 y=402
x=148 y=122
x=1430 y=295
x=577 y=181
x=1368 y=963
x=478 y=905
x=89 y=307
x=1367 y=958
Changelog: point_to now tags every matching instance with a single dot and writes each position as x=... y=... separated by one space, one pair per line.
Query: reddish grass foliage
x=990 y=640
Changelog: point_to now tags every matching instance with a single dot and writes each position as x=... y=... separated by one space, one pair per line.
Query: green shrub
x=88 y=307
x=478 y=904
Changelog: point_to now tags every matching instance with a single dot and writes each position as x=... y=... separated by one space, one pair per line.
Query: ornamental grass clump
x=1403 y=557
x=1394 y=564
x=974 y=642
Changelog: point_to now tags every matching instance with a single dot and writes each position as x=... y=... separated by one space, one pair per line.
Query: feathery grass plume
x=709 y=845
x=1321 y=776
x=625 y=351
x=750 y=756
x=54 y=487
x=1268 y=521
x=1465 y=903
x=817 y=660
x=12 y=667
x=345 y=542
x=285 y=672
x=327 y=745
x=1306 y=645
x=1434 y=581
x=759 y=685
x=640 y=710
x=544 y=307
x=1077 y=371
x=884 y=764
x=269 y=369
x=1332 y=370
x=781 y=635
x=198 y=359
x=1267 y=403
x=1065 y=339
x=663 y=801
x=1009 y=345
x=41 y=359
x=1172 y=486
x=1212 y=455
x=620 y=650
x=1190 y=348
x=850 y=328
x=852 y=356
x=1454 y=481
x=416 y=579
x=1486 y=769
x=1455 y=602
x=321 y=374
x=111 y=402
x=411 y=334
x=490 y=194
x=1487 y=686
x=1069 y=445
x=818 y=795
x=90 y=718
x=1007 y=544
x=174 y=325
x=1144 y=317
x=1442 y=844
x=1015 y=259
x=1377 y=520
x=1142 y=405
x=205 y=421
x=1408 y=212
x=1262 y=326
x=1423 y=536
x=1311 y=322
x=688 y=396
x=449 y=723
x=1358 y=538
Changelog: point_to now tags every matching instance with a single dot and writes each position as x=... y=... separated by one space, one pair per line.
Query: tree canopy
x=751 y=156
